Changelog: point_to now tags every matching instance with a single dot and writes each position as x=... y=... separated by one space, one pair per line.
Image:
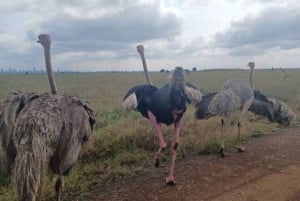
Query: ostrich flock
x=47 y=131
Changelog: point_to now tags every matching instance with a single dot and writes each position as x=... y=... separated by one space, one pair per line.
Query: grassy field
x=123 y=143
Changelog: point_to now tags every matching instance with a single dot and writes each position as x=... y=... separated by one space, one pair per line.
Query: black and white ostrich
x=165 y=105
x=49 y=132
x=235 y=95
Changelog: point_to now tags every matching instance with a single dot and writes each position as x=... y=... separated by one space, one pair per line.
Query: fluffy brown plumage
x=9 y=111
x=49 y=132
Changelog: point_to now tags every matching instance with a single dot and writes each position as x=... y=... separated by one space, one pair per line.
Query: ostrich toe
x=221 y=152
x=170 y=181
x=241 y=149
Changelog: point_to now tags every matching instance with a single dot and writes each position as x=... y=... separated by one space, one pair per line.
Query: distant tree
x=162 y=70
x=194 y=69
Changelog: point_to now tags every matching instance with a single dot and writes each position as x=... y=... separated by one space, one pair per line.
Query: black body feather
x=159 y=101
x=202 y=111
x=262 y=106
x=164 y=101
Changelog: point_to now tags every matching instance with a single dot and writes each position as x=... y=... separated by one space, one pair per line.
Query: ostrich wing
x=139 y=98
x=194 y=96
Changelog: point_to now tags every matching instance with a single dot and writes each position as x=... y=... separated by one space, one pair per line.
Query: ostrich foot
x=221 y=152
x=241 y=149
x=170 y=181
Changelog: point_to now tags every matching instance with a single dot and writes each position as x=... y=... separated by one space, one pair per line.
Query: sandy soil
x=268 y=171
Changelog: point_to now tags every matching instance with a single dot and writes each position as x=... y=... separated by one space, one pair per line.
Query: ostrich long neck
x=251 y=77
x=140 y=50
x=49 y=69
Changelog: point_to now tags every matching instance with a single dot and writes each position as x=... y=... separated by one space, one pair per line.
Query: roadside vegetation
x=123 y=143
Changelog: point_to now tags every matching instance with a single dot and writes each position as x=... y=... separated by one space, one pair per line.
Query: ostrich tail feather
x=29 y=171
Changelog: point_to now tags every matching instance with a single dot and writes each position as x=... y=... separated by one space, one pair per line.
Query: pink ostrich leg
x=170 y=180
x=162 y=143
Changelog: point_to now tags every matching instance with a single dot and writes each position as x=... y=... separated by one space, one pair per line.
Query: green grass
x=123 y=143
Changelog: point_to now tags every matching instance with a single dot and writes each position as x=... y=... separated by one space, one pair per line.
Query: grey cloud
x=276 y=27
x=93 y=3
x=17 y=6
x=137 y=23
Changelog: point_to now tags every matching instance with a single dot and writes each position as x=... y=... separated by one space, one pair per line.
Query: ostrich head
x=140 y=49
x=44 y=40
x=251 y=64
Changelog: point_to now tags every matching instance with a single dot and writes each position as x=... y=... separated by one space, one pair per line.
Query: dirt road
x=268 y=171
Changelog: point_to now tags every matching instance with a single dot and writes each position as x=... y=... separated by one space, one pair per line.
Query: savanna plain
x=123 y=144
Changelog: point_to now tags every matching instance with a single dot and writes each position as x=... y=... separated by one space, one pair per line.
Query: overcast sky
x=102 y=35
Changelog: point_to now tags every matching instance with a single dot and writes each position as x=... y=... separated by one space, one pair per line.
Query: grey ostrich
x=165 y=105
x=49 y=133
x=235 y=95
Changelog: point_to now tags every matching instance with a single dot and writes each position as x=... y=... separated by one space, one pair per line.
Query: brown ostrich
x=9 y=111
x=49 y=132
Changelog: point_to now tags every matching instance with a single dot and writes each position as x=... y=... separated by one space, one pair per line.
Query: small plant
x=4 y=180
x=257 y=133
x=210 y=146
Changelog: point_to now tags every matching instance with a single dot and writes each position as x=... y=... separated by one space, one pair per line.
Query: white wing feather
x=130 y=102
x=194 y=95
